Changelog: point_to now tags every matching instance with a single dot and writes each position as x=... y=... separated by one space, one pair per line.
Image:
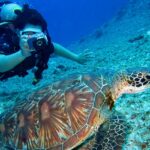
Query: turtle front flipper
x=132 y=82
x=112 y=134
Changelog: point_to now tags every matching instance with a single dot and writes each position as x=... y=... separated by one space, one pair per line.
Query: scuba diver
x=25 y=43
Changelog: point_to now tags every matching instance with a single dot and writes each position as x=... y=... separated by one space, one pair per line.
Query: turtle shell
x=58 y=116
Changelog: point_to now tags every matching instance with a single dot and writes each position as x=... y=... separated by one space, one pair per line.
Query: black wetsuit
x=9 y=44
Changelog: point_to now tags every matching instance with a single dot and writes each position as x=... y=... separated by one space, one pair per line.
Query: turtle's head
x=130 y=83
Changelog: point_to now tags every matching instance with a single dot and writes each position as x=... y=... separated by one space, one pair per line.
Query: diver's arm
x=62 y=51
x=81 y=58
x=8 y=62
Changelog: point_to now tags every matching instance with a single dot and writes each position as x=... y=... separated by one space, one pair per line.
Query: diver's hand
x=26 y=51
x=85 y=56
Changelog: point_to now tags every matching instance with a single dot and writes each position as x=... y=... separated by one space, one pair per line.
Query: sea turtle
x=74 y=113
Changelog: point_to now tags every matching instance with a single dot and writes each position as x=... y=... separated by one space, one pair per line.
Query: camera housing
x=37 y=43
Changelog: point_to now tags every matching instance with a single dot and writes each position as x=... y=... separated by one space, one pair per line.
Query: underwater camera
x=37 y=43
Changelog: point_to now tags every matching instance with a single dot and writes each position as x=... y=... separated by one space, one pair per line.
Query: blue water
x=69 y=20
